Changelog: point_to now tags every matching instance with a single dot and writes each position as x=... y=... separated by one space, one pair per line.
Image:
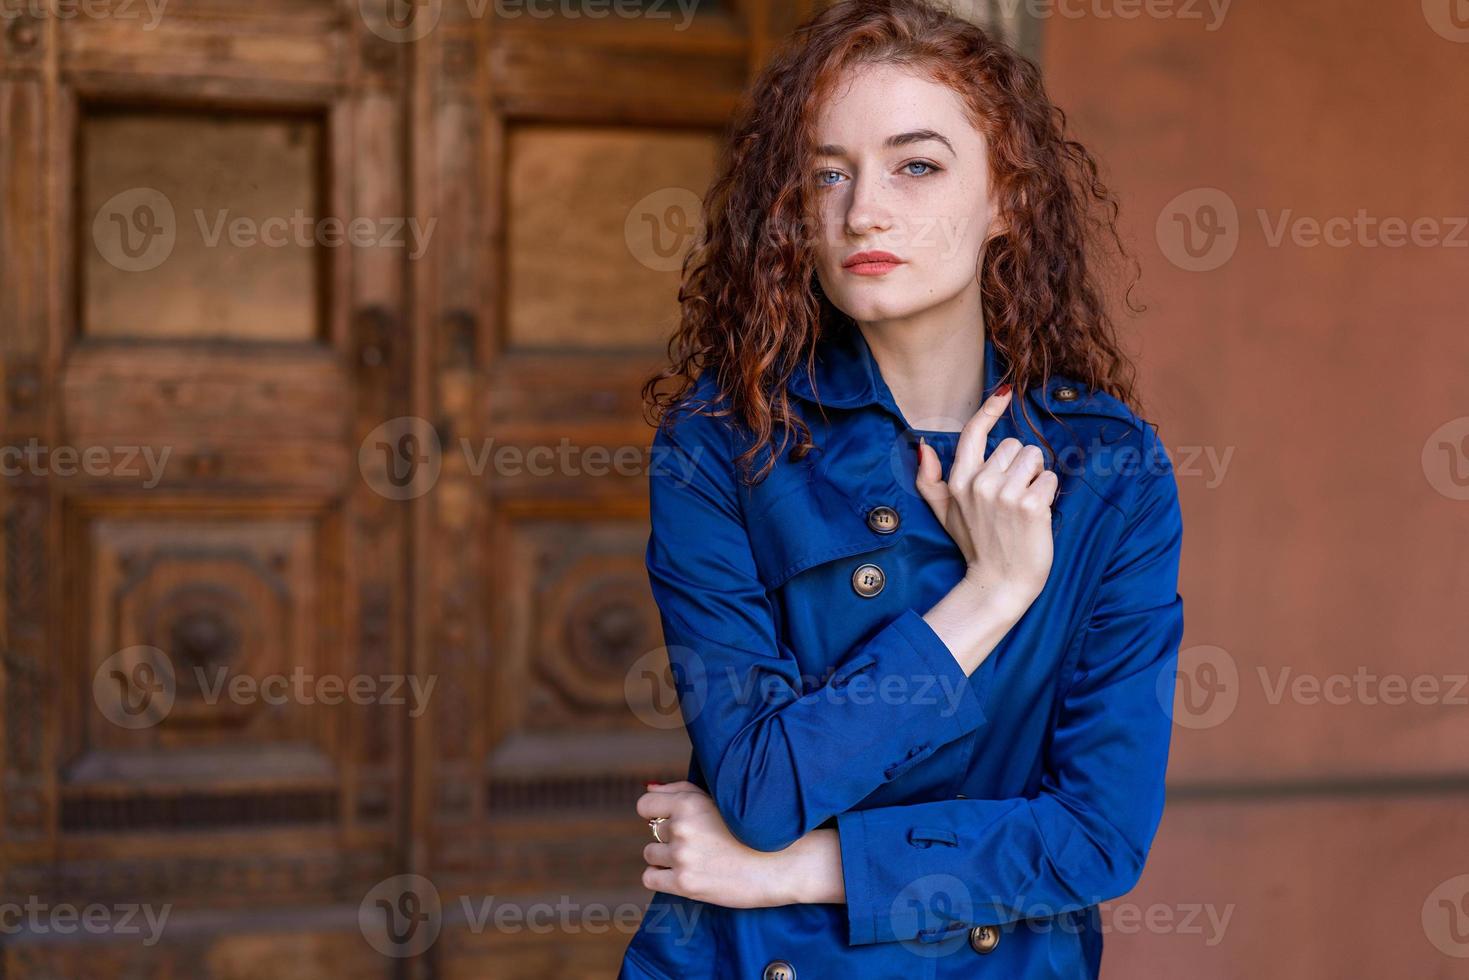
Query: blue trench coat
x=981 y=818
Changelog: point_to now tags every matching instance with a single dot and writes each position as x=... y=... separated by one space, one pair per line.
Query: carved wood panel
x=195 y=569
x=566 y=159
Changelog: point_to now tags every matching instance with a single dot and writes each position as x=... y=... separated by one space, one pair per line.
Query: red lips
x=871 y=258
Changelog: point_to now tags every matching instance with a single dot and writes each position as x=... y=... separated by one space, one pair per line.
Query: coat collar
x=847 y=376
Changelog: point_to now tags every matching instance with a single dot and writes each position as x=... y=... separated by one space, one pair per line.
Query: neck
x=933 y=361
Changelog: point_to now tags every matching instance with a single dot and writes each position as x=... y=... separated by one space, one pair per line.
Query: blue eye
x=822 y=173
x=921 y=163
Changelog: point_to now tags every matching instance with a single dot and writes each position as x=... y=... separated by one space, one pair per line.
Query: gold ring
x=654 y=822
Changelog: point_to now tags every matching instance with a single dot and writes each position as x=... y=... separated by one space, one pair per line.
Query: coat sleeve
x=779 y=760
x=919 y=871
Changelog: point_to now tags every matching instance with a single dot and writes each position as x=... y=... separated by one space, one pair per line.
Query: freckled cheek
x=830 y=234
x=931 y=228
x=962 y=203
x=929 y=209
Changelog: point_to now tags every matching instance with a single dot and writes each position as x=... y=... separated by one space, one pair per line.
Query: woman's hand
x=703 y=861
x=998 y=510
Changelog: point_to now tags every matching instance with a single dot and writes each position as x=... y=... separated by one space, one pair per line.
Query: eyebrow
x=901 y=139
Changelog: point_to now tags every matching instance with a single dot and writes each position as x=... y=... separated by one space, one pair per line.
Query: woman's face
x=899 y=169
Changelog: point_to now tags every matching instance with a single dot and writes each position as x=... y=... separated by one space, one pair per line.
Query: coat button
x=984 y=939
x=779 y=970
x=1066 y=393
x=883 y=520
x=868 y=580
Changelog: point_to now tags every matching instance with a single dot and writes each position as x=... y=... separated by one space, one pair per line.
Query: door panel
x=193 y=557
x=200 y=225
x=597 y=219
x=549 y=295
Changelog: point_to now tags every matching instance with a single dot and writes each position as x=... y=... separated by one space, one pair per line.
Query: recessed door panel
x=202 y=225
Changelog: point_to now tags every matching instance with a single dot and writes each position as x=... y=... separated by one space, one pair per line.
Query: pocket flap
x=805 y=523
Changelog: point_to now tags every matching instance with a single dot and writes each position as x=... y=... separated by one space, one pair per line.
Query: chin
x=872 y=307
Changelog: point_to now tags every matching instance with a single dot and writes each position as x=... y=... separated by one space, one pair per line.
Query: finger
x=652 y=804
x=658 y=855
x=1024 y=468
x=995 y=471
x=1047 y=486
x=682 y=786
x=659 y=880
x=930 y=484
x=664 y=831
x=973 y=438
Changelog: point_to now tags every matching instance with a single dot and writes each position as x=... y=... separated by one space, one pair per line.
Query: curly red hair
x=750 y=310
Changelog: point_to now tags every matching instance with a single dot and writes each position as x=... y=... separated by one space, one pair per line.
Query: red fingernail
x=650 y=785
x=1004 y=389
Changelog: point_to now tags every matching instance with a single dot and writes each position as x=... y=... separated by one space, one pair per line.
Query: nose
x=867 y=210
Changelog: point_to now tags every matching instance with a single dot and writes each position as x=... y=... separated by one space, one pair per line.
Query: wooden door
x=322 y=324
x=194 y=555
x=565 y=159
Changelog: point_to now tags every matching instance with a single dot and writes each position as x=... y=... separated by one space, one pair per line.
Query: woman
x=916 y=558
